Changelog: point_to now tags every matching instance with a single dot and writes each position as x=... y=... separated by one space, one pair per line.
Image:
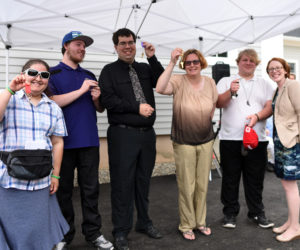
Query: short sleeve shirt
x=252 y=97
x=192 y=110
x=23 y=125
x=80 y=115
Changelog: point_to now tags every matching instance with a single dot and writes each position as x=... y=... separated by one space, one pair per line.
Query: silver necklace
x=248 y=97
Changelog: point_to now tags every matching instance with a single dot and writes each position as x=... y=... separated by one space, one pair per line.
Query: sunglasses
x=189 y=63
x=35 y=73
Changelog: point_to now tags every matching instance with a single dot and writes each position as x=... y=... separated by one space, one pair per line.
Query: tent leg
x=6 y=67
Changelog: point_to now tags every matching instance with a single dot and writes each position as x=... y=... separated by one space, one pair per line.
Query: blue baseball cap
x=77 y=35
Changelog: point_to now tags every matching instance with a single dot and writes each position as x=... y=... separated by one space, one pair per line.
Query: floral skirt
x=287 y=160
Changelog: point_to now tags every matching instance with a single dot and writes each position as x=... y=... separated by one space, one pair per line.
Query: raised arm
x=163 y=84
x=16 y=84
x=155 y=65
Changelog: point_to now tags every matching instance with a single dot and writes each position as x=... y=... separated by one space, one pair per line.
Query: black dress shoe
x=121 y=243
x=151 y=231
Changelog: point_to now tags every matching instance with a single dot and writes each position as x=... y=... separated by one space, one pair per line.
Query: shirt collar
x=67 y=67
x=254 y=78
x=125 y=65
x=21 y=95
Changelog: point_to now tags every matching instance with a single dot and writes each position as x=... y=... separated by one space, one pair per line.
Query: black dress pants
x=131 y=161
x=252 y=169
x=86 y=160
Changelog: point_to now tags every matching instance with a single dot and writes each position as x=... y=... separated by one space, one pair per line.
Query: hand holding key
x=234 y=87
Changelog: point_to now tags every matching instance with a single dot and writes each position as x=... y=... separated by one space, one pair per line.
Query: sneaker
x=151 y=231
x=61 y=246
x=262 y=221
x=121 y=243
x=102 y=244
x=229 y=221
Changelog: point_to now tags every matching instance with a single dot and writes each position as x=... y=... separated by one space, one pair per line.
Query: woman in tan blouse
x=194 y=101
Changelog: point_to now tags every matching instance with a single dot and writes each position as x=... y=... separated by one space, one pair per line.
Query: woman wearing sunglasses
x=286 y=134
x=30 y=217
x=194 y=102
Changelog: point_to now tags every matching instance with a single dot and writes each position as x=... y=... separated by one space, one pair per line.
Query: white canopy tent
x=212 y=26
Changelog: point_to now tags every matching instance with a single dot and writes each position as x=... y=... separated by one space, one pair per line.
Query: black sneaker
x=151 y=231
x=229 y=221
x=261 y=221
x=121 y=243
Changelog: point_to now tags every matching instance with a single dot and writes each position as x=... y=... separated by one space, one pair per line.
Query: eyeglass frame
x=275 y=69
x=124 y=44
x=38 y=73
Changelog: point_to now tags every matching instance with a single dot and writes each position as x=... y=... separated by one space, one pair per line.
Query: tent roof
x=212 y=26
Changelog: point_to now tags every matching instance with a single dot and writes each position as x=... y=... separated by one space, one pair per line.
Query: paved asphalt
x=164 y=213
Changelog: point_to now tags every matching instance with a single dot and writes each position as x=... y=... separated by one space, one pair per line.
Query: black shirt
x=117 y=94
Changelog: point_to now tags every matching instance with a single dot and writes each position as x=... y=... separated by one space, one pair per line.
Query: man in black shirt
x=127 y=94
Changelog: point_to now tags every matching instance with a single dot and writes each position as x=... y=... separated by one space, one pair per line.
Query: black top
x=117 y=94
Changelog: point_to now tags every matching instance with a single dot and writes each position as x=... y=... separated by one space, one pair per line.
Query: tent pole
x=135 y=17
x=6 y=64
x=128 y=18
x=117 y=20
x=153 y=1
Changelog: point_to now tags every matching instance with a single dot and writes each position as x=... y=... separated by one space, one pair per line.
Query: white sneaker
x=102 y=244
x=61 y=246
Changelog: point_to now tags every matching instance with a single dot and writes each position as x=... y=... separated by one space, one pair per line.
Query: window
x=293 y=67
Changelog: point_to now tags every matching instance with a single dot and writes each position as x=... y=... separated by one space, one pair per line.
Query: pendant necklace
x=248 y=97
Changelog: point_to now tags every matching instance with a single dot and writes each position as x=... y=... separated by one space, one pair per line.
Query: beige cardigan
x=287 y=113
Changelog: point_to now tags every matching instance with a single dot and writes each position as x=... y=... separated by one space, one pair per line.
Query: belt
x=133 y=128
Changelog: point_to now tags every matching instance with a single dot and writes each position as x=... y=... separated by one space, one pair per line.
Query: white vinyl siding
x=95 y=62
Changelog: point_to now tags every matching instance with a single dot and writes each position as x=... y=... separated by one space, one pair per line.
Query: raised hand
x=18 y=82
x=149 y=49
x=176 y=53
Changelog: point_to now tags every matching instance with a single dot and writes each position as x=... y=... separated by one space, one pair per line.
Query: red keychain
x=27 y=88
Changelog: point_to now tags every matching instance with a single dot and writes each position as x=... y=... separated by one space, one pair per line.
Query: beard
x=74 y=57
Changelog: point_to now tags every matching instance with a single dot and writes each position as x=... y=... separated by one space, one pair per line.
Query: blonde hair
x=250 y=53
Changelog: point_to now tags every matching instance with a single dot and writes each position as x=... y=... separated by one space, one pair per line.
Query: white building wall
x=270 y=48
x=292 y=55
x=92 y=62
x=95 y=62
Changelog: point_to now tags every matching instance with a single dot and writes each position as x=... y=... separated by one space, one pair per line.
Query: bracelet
x=56 y=177
x=10 y=91
x=257 y=116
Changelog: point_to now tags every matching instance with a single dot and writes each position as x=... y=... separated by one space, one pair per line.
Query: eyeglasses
x=35 y=73
x=189 y=63
x=274 y=69
x=123 y=44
